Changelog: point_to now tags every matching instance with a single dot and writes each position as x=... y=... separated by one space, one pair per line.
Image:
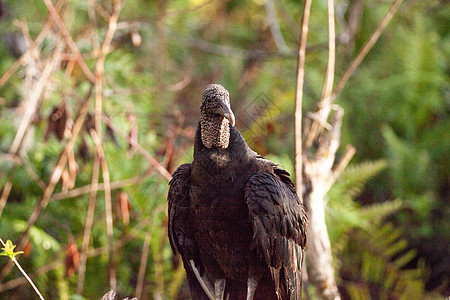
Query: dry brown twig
x=88 y=222
x=274 y=26
x=287 y=18
x=143 y=264
x=299 y=96
x=175 y=87
x=30 y=111
x=153 y=162
x=108 y=208
x=326 y=102
x=32 y=51
x=19 y=281
x=59 y=257
x=45 y=29
x=101 y=187
x=68 y=39
x=96 y=135
x=25 y=163
x=55 y=176
x=38 y=89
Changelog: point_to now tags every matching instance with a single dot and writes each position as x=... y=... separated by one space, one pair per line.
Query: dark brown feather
x=234 y=213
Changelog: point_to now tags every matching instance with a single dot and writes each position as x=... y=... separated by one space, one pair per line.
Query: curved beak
x=230 y=117
x=225 y=111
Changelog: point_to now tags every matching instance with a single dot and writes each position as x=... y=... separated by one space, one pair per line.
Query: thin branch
x=175 y=87
x=5 y=195
x=299 y=96
x=25 y=274
x=28 y=278
x=239 y=53
x=28 y=116
x=317 y=170
x=364 y=50
x=325 y=103
x=56 y=263
x=55 y=176
x=274 y=26
x=24 y=162
x=158 y=268
x=32 y=51
x=143 y=264
x=16 y=282
x=102 y=11
x=33 y=175
x=93 y=21
x=321 y=116
x=33 y=101
x=329 y=76
x=108 y=209
x=286 y=16
x=100 y=65
x=175 y=12
x=342 y=164
x=101 y=187
x=139 y=148
x=69 y=41
x=12 y=69
x=88 y=223
x=47 y=25
x=97 y=133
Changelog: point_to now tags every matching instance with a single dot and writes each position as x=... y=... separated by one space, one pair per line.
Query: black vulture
x=234 y=216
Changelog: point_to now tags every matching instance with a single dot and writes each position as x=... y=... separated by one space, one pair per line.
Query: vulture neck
x=215 y=131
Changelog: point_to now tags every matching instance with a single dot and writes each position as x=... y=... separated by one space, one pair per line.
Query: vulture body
x=235 y=217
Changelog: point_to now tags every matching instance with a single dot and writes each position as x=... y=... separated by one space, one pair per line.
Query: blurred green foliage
x=390 y=232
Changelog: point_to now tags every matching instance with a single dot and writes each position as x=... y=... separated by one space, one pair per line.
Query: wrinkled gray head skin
x=214 y=97
x=216 y=115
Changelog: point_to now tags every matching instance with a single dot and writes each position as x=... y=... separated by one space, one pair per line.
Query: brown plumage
x=234 y=216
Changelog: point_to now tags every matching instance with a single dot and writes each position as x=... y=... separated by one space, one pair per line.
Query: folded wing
x=279 y=229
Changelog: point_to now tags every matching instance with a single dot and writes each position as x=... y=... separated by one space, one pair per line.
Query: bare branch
x=299 y=97
x=178 y=86
x=139 y=148
x=97 y=133
x=325 y=102
x=143 y=264
x=66 y=35
x=274 y=26
x=5 y=195
x=36 y=43
x=365 y=50
x=16 y=282
x=93 y=20
x=55 y=176
x=33 y=101
x=286 y=16
x=108 y=209
x=101 y=187
x=342 y=164
x=30 y=111
x=329 y=76
x=317 y=172
x=322 y=115
x=56 y=263
x=25 y=274
x=88 y=223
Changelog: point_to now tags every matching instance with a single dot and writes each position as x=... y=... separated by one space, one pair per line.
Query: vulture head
x=215 y=117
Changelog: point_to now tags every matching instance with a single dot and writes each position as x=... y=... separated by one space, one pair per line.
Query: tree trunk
x=319 y=176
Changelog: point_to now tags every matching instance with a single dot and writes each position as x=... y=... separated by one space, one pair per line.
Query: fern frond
x=355 y=177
